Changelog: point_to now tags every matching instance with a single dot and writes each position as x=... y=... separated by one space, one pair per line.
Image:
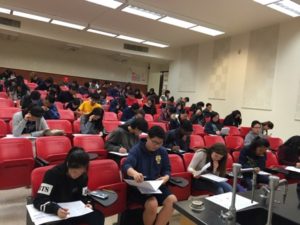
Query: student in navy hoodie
x=149 y=160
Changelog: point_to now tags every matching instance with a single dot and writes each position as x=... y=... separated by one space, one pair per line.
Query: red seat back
x=148 y=117
x=3 y=95
x=211 y=140
x=3 y=128
x=110 y=126
x=64 y=125
x=271 y=159
x=76 y=126
x=32 y=86
x=196 y=142
x=53 y=149
x=110 y=116
x=37 y=177
x=120 y=115
x=234 y=131
x=162 y=125
x=6 y=113
x=16 y=162
x=275 y=143
x=176 y=163
x=229 y=162
x=66 y=114
x=234 y=143
x=244 y=131
x=235 y=156
x=198 y=129
x=91 y=143
x=187 y=158
x=6 y=102
x=59 y=105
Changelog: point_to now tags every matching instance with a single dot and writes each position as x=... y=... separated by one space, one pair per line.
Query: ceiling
x=230 y=16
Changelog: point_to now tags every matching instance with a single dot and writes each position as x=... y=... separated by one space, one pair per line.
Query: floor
x=13 y=211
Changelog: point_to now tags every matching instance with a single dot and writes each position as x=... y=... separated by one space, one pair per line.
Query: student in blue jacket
x=149 y=160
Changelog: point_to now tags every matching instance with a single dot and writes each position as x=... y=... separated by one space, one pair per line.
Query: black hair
x=292 y=146
x=213 y=114
x=186 y=125
x=95 y=97
x=34 y=110
x=258 y=142
x=140 y=111
x=255 y=122
x=187 y=99
x=76 y=101
x=135 y=106
x=208 y=104
x=235 y=113
x=140 y=124
x=77 y=158
x=171 y=99
x=268 y=123
x=200 y=104
x=167 y=92
x=35 y=95
x=50 y=99
x=220 y=149
x=157 y=131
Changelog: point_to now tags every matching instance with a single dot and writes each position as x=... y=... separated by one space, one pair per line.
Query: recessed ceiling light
x=133 y=39
x=177 y=22
x=31 y=16
x=266 y=2
x=107 y=3
x=4 y=10
x=287 y=7
x=101 y=33
x=206 y=30
x=66 y=24
x=141 y=12
x=155 y=44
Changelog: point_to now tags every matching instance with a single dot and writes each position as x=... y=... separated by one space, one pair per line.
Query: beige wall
x=284 y=86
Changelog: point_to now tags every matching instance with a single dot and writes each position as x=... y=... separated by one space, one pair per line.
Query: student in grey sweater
x=212 y=160
x=126 y=136
x=29 y=122
x=253 y=133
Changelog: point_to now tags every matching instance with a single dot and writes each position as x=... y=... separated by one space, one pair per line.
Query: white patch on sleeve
x=84 y=191
x=45 y=189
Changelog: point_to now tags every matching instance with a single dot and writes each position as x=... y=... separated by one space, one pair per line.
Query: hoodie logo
x=158 y=159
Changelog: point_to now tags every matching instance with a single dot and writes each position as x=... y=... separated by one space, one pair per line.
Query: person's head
x=135 y=107
x=137 y=91
x=76 y=102
x=150 y=102
x=49 y=101
x=35 y=96
x=236 y=114
x=151 y=90
x=137 y=126
x=36 y=112
x=186 y=127
x=140 y=113
x=167 y=93
x=97 y=114
x=255 y=126
x=268 y=125
x=86 y=84
x=259 y=146
x=214 y=116
x=218 y=152
x=200 y=105
x=292 y=146
x=155 y=139
x=77 y=162
x=73 y=89
x=95 y=98
x=186 y=99
x=49 y=81
x=208 y=106
x=183 y=115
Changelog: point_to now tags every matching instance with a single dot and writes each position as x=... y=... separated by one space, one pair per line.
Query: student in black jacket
x=233 y=119
x=65 y=183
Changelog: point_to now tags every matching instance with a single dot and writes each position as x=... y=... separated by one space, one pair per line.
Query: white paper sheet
x=25 y=136
x=263 y=173
x=76 y=208
x=204 y=168
x=292 y=168
x=213 y=177
x=146 y=187
x=224 y=200
x=118 y=153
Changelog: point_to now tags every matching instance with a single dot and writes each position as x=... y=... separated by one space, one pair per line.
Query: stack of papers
x=213 y=177
x=146 y=187
x=76 y=208
x=224 y=200
x=292 y=168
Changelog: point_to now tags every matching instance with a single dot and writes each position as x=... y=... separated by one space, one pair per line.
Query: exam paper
x=292 y=168
x=119 y=153
x=224 y=200
x=76 y=208
x=146 y=187
x=203 y=169
x=213 y=177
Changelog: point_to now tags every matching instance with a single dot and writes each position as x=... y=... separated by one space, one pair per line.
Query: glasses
x=257 y=127
x=156 y=142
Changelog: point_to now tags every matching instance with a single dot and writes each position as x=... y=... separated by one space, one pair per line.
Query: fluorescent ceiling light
x=206 y=30
x=177 y=22
x=287 y=7
x=107 y=3
x=155 y=44
x=66 y=24
x=130 y=38
x=101 y=33
x=266 y=2
x=141 y=12
x=31 y=16
x=4 y=10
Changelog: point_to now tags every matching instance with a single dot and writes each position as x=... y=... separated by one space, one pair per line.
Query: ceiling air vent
x=10 y=22
x=136 y=48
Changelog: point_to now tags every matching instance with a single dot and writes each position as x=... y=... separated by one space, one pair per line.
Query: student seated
x=265 y=127
x=179 y=139
x=126 y=136
x=197 y=117
x=50 y=109
x=254 y=156
x=164 y=98
x=208 y=110
x=87 y=106
x=176 y=119
x=233 y=119
x=149 y=107
x=143 y=156
x=92 y=122
x=214 y=126
x=216 y=155
x=33 y=98
x=67 y=182
x=129 y=112
x=29 y=121
x=253 y=133
x=117 y=105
